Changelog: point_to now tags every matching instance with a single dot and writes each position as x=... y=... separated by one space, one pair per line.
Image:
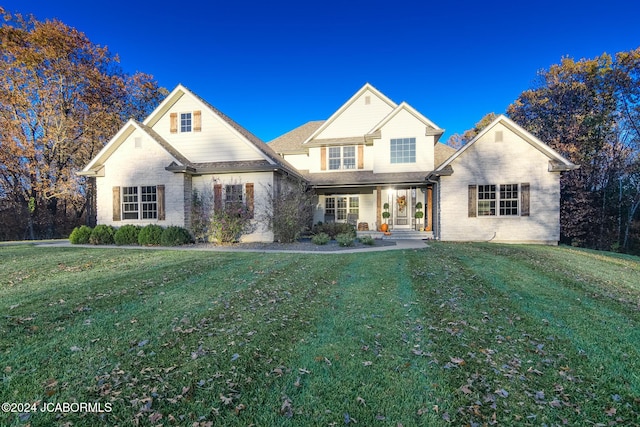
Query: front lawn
x=452 y=334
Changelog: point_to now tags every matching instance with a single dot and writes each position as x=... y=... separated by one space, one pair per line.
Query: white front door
x=402 y=212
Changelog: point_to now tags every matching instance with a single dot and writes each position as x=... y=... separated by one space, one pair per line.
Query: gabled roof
x=98 y=161
x=556 y=161
x=354 y=98
x=181 y=162
x=432 y=128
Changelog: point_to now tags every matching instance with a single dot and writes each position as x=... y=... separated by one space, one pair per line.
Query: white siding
x=131 y=166
x=512 y=161
x=217 y=142
x=358 y=118
x=262 y=182
x=404 y=125
x=299 y=161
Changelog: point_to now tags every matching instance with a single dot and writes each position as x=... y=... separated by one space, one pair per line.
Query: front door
x=402 y=211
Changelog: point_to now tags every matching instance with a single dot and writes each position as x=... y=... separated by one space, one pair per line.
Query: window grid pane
x=129 y=202
x=349 y=157
x=509 y=199
x=341 y=211
x=233 y=194
x=403 y=150
x=149 y=199
x=354 y=205
x=334 y=158
x=330 y=206
x=185 y=122
x=486 y=200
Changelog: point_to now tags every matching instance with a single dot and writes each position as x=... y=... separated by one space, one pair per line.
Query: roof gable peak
x=521 y=132
x=359 y=94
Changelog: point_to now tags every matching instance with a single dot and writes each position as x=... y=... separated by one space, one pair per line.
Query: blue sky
x=273 y=65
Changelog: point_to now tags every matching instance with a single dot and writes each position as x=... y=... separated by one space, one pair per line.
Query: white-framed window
x=140 y=202
x=498 y=200
x=149 y=201
x=185 y=122
x=130 y=205
x=233 y=194
x=508 y=199
x=486 y=200
x=340 y=206
x=403 y=150
x=342 y=158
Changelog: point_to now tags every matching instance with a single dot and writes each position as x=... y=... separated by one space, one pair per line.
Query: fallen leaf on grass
x=465 y=389
x=361 y=401
x=155 y=417
x=457 y=360
x=367 y=363
x=502 y=392
x=226 y=400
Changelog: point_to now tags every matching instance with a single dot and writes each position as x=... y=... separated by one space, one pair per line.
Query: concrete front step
x=399 y=235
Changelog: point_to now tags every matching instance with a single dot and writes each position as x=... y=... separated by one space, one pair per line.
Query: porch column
x=429 y=209
x=378 y=207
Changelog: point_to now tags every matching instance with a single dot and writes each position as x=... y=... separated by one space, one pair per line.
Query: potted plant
x=419 y=215
x=386 y=214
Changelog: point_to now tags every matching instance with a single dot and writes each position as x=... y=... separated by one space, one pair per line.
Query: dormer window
x=185 y=122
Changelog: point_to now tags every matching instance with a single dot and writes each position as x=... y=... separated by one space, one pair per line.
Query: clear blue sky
x=273 y=65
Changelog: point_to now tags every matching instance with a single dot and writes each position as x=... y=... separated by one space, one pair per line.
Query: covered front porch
x=368 y=208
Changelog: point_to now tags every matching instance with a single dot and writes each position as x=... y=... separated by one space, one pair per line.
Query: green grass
x=459 y=334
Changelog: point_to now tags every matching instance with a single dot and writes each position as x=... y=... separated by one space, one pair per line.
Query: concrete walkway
x=399 y=244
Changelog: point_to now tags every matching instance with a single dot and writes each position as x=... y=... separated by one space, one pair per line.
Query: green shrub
x=80 y=235
x=127 y=235
x=150 y=235
x=367 y=240
x=102 y=235
x=320 y=239
x=335 y=228
x=345 y=239
x=175 y=236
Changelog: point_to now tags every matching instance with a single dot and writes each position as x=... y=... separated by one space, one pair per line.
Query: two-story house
x=373 y=162
x=372 y=155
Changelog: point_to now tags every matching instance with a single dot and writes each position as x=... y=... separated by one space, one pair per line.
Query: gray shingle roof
x=291 y=142
x=264 y=148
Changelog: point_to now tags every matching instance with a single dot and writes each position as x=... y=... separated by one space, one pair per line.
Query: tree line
x=63 y=97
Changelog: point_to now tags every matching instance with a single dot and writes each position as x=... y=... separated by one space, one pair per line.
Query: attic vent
x=137 y=142
x=367 y=100
x=498 y=136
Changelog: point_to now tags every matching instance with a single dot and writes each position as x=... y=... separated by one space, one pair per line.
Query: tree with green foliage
x=62 y=98
x=589 y=111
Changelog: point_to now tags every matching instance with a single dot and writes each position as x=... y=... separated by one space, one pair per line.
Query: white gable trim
x=165 y=105
x=435 y=129
x=180 y=91
x=520 y=131
x=354 y=98
x=119 y=138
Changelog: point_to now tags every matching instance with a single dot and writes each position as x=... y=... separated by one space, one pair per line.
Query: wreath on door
x=402 y=203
